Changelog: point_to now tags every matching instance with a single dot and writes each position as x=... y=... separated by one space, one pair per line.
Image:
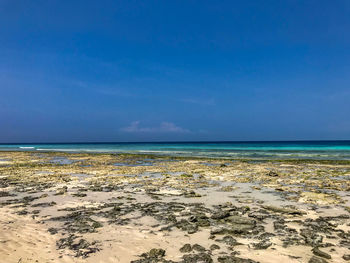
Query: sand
x=109 y=208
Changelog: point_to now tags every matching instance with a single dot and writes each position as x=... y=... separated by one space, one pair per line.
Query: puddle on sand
x=216 y=164
x=138 y=163
x=61 y=160
x=81 y=177
x=145 y=174
x=151 y=174
x=44 y=173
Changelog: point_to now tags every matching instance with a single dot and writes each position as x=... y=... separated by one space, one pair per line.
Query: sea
x=260 y=150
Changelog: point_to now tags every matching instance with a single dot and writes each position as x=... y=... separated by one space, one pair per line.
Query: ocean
x=317 y=150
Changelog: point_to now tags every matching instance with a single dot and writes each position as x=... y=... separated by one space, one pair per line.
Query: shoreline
x=101 y=207
x=269 y=150
x=167 y=156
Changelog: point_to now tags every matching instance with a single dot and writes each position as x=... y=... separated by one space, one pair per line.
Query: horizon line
x=149 y=142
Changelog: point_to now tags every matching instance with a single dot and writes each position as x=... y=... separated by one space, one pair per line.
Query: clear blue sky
x=174 y=70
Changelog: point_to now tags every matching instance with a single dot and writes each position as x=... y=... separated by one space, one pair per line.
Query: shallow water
x=318 y=150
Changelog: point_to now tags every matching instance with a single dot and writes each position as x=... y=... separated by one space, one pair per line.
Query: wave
x=26 y=147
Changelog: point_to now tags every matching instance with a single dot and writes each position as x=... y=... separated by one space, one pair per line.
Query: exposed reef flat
x=60 y=207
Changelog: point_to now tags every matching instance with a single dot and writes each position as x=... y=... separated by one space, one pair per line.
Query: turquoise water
x=327 y=150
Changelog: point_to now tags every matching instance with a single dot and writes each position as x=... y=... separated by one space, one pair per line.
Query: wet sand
x=59 y=207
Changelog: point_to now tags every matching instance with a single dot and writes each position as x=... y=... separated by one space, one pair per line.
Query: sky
x=97 y=71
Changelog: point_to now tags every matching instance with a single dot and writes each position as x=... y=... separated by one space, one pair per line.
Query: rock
x=4 y=194
x=186 y=248
x=52 y=230
x=196 y=258
x=229 y=240
x=191 y=193
x=320 y=253
x=346 y=257
x=79 y=194
x=235 y=229
x=240 y=220
x=262 y=245
x=234 y=259
x=315 y=259
x=184 y=225
x=214 y=247
x=318 y=198
x=228 y=188
x=311 y=238
x=198 y=248
x=82 y=248
x=153 y=256
x=61 y=191
x=44 y=204
x=241 y=229
x=272 y=174
x=22 y=212
x=220 y=215
x=282 y=210
x=199 y=220
x=156 y=253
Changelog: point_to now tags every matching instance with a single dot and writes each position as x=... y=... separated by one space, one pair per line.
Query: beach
x=107 y=207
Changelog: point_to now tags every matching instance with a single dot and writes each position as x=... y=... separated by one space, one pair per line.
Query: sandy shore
x=57 y=207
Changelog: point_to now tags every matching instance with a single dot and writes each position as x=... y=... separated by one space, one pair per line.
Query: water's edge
x=313 y=150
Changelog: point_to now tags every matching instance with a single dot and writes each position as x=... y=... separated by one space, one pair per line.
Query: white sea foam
x=27 y=147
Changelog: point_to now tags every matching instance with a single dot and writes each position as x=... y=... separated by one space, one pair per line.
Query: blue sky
x=174 y=70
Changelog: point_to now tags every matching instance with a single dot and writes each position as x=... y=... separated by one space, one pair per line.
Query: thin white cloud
x=164 y=127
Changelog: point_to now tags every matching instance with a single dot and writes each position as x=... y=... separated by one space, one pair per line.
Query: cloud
x=164 y=127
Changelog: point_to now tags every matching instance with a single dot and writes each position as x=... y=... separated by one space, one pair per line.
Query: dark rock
x=240 y=220
x=282 y=210
x=315 y=259
x=52 y=230
x=346 y=257
x=79 y=221
x=272 y=174
x=22 y=212
x=5 y=194
x=184 y=225
x=198 y=248
x=191 y=193
x=311 y=237
x=214 y=247
x=44 y=204
x=186 y=248
x=220 y=215
x=234 y=259
x=262 y=245
x=82 y=248
x=229 y=240
x=320 y=253
x=79 y=194
x=236 y=229
x=156 y=253
x=196 y=258
x=61 y=191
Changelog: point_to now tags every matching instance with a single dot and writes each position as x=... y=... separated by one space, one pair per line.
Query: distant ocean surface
x=318 y=150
